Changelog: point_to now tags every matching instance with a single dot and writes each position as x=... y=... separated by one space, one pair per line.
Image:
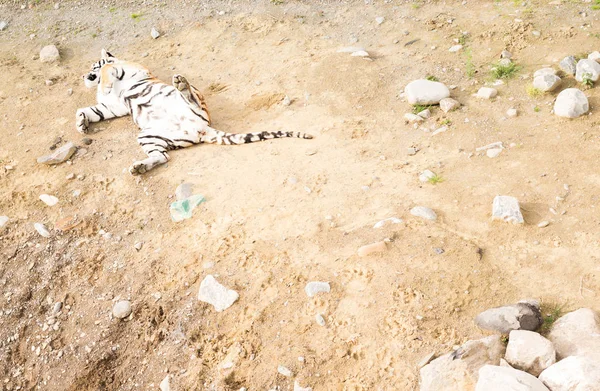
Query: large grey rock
x=507 y=209
x=60 y=155
x=587 y=69
x=571 y=103
x=495 y=378
x=426 y=92
x=577 y=334
x=49 y=54
x=424 y=213
x=574 y=373
x=544 y=72
x=530 y=352
x=568 y=65
x=212 y=292
x=459 y=370
x=546 y=82
x=525 y=315
x=449 y=104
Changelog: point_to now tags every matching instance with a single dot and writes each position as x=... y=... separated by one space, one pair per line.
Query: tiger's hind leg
x=156 y=147
x=192 y=95
x=183 y=86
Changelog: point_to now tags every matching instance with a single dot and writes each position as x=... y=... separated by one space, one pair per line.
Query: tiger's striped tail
x=223 y=138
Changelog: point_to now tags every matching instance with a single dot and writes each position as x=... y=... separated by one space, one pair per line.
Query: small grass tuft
x=432 y=78
x=136 y=15
x=596 y=5
x=434 y=180
x=534 y=92
x=112 y=9
x=500 y=71
x=470 y=67
x=587 y=80
x=446 y=122
x=418 y=108
x=550 y=314
x=537 y=109
x=277 y=2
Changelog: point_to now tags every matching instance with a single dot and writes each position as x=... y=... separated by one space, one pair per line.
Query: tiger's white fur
x=169 y=116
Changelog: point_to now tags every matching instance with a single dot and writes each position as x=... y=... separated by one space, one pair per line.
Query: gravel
x=121 y=309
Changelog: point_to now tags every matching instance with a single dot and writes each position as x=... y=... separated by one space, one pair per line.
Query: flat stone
x=377 y=247
x=3 y=25
x=350 y=49
x=60 y=155
x=487 y=93
x=410 y=117
x=49 y=54
x=426 y=176
x=577 y=334
x=449 y=104
x=455 y=48
x=154 y=33
x=426 y=92
x=424 y=212
x=493 y=152
x=511 y=113
x=439 y=130
x=507 y=209
x=424 y=114
x=360 y=53
x=121 y=309
x=388 y=221
x=183 y=191
x=547 y=82
x=568 y=65
x=496 y=378
x=284 y=371
x=525 y=315
x=544 y=72
x=41 y=229
x=165 y=384
x=217 y=295
x=587 y=69
x=3 y=221
x=573 y=373
x=459 y=370
x=314 y=287
x=530 y=352
x=48 y=199
x=571 y=103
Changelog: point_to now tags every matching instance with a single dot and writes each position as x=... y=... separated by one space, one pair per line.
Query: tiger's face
x=92 y=78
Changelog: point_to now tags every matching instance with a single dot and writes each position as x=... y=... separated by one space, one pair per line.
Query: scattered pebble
x=87 y=141
x=369 y=249
x=297 y=387
x=507 y=209
x=487 y=93
x=3 y=25
x=571 y=103
x=57 y=307
x=121 y=309
x=49 y=200
x=49 y=82
x=314 y=287
x=426 y=175
x=320 y=320
x=506 y=54
x=423 y=212
x=497 y=144
x=41 y=229
x=284 y=371
x=410 y=117
x=49 y=54
x=286 y=101
x=424 y=114
x=426 y=92
x=411 y=151
x=165 y=384
x=379 y=19
x=439 y=130
x=449 y=104
x=391 y=220
x=3 y=221
x=154 y=33
x=455 y=48
x=138 y=246
x=493 y=152
x=217 y=295
x=594 y=56
x=543 y=224
x=60 y=155
x=511 y=113
x=360 y=53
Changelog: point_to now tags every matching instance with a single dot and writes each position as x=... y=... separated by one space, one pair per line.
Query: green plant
x=552 y=313
x=446 y=122
x=435 y=179
x=462 y=40
x=431 y=78
x=470 y=67
x=112 y=9
x=277 y=2
x=536 y=109
x=586 y=79
x=418 y=108
x=504 y=71
x=136 y=15
x=596 y=5
x=94 y=35
x=534 y=92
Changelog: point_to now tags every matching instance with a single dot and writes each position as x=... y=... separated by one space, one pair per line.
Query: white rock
x=546 y=82
x=49 y=54
x=212 y=292
x=571 y=103
x=530 y=352
x=379 y=19
x=391 y=220
x=410 y=117
x=426 y=176
x=449 y=104
x=543 y=224
x=60 y=155
x=297 y=387
x=487 y=93
x=573 y=373
x=425 y=92
x=506 y=54
x=320 y=320
x=48 y=199
x=350 y=49
x=284 y=371
x=505 y=62
x=41 y=229
x=544 y=71
x=3 y=25
x=587 y=69
x=496 y=378
x=424 y=114
x=497 y=144
x=525 y=315
x=577 y=334
x=3 y=221
x=154 y=33
x=493 y=152
x=594 y=56
x=507 y=209
x=165 y=384
x=455 y=48
x=360 y=53
x=459 y=370
x=314 y=287
x=511 y=113
x=121 y=309
x=286 y=101
x=439 y=130
x=568 y=65
x=423 y=212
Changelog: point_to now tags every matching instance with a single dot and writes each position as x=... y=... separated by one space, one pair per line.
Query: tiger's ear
x=105 y=55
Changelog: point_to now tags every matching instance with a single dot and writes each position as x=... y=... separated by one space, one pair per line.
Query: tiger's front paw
x=138 y=168
x=82 y=123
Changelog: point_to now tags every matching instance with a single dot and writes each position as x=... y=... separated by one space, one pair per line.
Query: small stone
x=314 y=287
x=594 y=56
x=573 y=373
x=449 y=104
x=391 y=220
x=568 y=65
x=505 y=62
x=212 y=292
x=410 y=117
x=439 y=130
x=493 y=152
x=587 y=70
x=379 y=19
x=286 y=101
x=121 y=309
x=284 y=371
x=49 y=54
x=543 y=224
x=87 y=141
x=506 y=54
x=577 y=334
x=145 y=54
x=424 y=114
x=184 y=191
x=507 y=209
x=536 y=33
x=544 y=72
x=423 y=212
x=41 y=229
x=411 y=151
x=165 y=384
x=138 y=246
x=530 y=352
x=426 y=176
x=525 y=315
x=425 y=360
x=350 y=49
x=426 y=92
x=49 y=82
x=3 y=221
x=571 y=103
x=455 y=48
x=487 y=93
x=57 y=307
x=360 y=53
x=546 y=82
x=154 y=33
x=511 y=113
x=496 y=378
x=320 y=320
x=56 y=6
x=49 y=200
x=60 y=155
x=3 y=25
x=377 y=247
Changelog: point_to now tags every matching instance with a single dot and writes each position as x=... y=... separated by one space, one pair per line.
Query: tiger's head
x=92 y=78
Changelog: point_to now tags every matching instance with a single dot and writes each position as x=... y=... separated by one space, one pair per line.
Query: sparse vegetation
x=470 y=67
x=596 y=5
x=435 y=179
x=277 y=2
x=418 y=108
x=536 y=109
x=505 y=71
x=534 y=92
x=136 y=15
x=112 y=9
x=431 y=78
x=446 y=122
x=551 y=315
x=587 y=80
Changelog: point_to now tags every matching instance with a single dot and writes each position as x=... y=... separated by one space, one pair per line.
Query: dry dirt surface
x=282 y=213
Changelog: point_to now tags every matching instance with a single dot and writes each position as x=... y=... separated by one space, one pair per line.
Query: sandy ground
x=285 y=212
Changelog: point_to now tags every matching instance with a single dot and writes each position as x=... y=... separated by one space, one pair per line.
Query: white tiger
x=169 y=116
